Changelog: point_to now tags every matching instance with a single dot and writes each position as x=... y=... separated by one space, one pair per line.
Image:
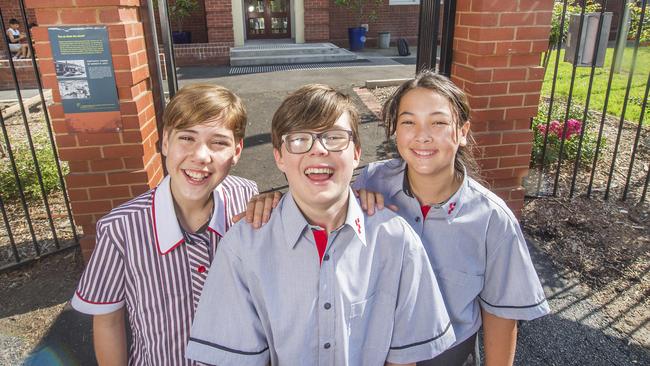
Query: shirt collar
x=294 y=221
x=448 y=210
x=168 y=234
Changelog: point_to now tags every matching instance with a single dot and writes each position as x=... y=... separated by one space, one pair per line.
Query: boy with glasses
x=321 y=283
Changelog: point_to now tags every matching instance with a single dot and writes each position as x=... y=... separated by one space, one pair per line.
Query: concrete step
x=283 y=49
x=279 y=54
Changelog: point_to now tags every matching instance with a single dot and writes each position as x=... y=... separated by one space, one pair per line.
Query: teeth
x=423 y=152
x=319 y=171
x=196 y=175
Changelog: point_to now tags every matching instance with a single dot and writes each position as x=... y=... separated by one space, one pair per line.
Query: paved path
x=575 y=334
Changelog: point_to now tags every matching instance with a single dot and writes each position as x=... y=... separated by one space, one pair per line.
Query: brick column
x=107 y=165
x=497 y=52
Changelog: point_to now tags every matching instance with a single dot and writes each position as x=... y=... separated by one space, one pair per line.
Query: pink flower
x=574 y=127
x=555 y=127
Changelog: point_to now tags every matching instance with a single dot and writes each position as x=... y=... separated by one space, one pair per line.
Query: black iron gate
x=34 y=206
x=592 y=135
x=436 y=35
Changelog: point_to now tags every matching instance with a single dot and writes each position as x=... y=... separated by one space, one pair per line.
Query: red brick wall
x=317 y=20
x=400 y=20
x=24 y=72
x=218 y=16
x=217 y=53
x=497 y=50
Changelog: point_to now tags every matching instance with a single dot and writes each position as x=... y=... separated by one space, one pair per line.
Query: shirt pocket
x=370 y=328
x=460 y=291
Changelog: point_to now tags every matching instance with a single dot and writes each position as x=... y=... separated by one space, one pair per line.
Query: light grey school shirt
x=475 y=246
x=267 y=298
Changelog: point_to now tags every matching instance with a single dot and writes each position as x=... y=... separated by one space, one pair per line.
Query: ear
x=239 y=147
x=165 y=142
x=279 y=160
x=464 y=131
x=357 y=155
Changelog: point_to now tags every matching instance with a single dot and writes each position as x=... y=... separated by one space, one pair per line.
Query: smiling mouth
x=423 y=153
x=196 y=176
x=319 y=174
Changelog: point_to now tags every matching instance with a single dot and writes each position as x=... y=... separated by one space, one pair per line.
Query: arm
x=499 y=339
x=109 y=335
x=10 y=36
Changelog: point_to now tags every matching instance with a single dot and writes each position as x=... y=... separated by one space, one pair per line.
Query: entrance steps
x=288 y=53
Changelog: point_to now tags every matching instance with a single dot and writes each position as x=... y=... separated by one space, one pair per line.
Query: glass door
x=267 y=19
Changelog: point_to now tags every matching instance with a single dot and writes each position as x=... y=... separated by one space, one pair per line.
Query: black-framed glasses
x=332 y=140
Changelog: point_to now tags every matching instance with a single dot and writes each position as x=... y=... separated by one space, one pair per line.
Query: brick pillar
x=497 y=52
x=107 y=165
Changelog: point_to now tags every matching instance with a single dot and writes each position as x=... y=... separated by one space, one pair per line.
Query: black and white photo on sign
x=70 y=68
x=74 y=89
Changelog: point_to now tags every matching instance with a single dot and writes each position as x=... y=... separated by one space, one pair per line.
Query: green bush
x=27 y=170
x=572 y=8
x=635 y=17
x=556 y=133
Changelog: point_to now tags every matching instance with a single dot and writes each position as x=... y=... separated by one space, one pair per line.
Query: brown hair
x=313 y=107
x=195 y=104
x=460 y=110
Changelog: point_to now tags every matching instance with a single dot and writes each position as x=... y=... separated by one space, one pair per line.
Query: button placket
x=327 y=315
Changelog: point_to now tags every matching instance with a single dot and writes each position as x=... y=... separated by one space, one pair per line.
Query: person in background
x=14 y=38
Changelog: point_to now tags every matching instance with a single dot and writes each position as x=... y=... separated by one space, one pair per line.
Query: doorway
x=267 y=19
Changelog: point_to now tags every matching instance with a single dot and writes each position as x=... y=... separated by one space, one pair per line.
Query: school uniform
x=475 y=246
x=269 y=298
x=145 y=261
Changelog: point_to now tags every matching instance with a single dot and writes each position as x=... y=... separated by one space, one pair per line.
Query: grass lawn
x=599 y=88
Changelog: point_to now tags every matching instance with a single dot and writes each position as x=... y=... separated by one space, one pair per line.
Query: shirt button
x=201 y=269
x=326 y=257
x=327 y=345
x=327 y=306
x=417 y=219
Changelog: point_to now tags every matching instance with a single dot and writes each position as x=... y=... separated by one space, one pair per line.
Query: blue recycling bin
x=357 y=38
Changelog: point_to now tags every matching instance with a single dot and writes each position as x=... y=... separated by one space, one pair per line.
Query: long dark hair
x=459 y=107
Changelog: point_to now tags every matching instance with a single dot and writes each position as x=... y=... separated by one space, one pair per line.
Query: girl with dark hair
x=474 y=243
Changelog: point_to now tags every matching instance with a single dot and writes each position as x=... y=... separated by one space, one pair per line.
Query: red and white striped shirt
x=143 y=261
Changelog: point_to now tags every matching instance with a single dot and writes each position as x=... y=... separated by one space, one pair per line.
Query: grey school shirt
x=475 y=246
x=268 y=299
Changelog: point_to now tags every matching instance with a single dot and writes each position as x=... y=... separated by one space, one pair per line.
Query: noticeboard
x=84 y=71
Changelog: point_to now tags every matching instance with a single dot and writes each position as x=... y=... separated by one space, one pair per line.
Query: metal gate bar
x=585 y=114
x=568 y=104
x=550 y=106
x=48 y=124
x=627 y=94
x=38 y=250
x=636 y=139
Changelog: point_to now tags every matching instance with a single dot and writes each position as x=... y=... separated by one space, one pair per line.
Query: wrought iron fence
x=590 y=137
x=36 y=216
x=434 y=53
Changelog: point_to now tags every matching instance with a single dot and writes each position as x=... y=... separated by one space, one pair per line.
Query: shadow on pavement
x=68 y=342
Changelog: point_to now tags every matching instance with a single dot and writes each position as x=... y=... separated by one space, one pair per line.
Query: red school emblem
x=452 y=206
x=358 y=222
